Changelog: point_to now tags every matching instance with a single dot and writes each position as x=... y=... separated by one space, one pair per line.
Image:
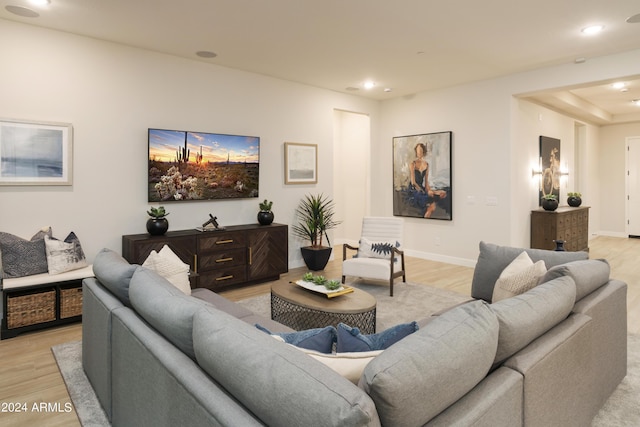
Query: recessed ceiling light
x=206 y=54
x=22 y=11
x=387 y=89
x=369 y=85
x=619 y=85
x=593 y=29
x=636 y=102
x=634 y=19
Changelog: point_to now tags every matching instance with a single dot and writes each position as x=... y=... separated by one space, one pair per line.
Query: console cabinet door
x=268 y=252
x=136 y=249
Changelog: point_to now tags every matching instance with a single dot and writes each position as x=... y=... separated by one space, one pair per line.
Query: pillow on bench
x=22 y=257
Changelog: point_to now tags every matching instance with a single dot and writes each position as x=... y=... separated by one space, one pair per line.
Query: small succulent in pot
x=157 y=225
x=157 y=213
x=265 y=216
x=574 y=199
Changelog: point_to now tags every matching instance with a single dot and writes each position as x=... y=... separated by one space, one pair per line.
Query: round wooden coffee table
x=301 y=309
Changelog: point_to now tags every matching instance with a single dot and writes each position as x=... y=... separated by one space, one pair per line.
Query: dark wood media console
x=236 y=256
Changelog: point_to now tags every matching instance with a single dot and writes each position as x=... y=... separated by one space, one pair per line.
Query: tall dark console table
x=236 y=256
x=565 y=223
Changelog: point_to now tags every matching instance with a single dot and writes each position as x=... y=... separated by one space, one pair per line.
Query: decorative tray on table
x=323 y=286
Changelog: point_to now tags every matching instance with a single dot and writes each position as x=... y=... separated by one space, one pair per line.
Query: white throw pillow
x=518 y=277
x=349 y=365
x=169 y=265
x=381 y=249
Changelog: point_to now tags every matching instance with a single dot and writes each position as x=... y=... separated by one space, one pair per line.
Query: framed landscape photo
x=422 y=176
x=35 y=153
x=300 y=163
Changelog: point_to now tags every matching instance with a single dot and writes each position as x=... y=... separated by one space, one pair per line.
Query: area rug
x=415 y=302
x=410 y=302
x=69 y=359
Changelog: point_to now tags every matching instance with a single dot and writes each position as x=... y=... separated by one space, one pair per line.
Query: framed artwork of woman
x=422 y=176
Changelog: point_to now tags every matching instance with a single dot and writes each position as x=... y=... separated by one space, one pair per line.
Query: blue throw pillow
x=351 y=340
x=320 y=339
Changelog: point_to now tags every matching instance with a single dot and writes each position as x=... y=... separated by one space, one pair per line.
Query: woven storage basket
x=70 y=302
x=31 y=309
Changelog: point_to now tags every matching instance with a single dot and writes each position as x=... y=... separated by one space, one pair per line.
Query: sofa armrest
x=547 y=364
x=496 y=401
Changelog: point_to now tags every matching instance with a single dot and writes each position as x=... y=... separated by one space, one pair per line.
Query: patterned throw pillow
x=518 y=277
x=22 y=257
x=369 y=249
x=64 y=255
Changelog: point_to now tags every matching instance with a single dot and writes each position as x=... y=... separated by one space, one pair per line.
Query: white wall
x=612 y=154
x=495 y=146
x=111 y=94
x=352 y=142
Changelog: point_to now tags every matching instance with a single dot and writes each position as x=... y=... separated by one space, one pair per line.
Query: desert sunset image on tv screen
x=187 y=165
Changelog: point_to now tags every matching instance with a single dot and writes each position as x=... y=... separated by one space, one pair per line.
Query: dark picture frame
x=550 y=167
x=422 y=176
x=188 y=165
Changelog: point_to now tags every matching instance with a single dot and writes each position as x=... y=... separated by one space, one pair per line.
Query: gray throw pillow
x=22 y=257
x=494 y=258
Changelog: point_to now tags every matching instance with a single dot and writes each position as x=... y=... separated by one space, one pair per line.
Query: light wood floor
x=29 y=374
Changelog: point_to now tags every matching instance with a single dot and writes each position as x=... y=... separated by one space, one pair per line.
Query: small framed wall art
x=35 y=153
x=422 y=176
x=300 y=163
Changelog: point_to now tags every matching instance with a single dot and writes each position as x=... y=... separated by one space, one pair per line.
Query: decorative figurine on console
x=211 y=224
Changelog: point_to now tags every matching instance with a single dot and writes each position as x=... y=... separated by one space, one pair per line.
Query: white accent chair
x=377 y=230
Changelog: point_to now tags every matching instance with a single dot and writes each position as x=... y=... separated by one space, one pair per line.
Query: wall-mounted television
x=185 y=165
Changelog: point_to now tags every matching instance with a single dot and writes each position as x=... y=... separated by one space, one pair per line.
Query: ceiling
x=405 y=46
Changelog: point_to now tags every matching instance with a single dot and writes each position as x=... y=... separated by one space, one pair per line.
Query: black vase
x=574 y=201
x=549 y=205
x=265 y=217
x=157 y=226
x=316 y=259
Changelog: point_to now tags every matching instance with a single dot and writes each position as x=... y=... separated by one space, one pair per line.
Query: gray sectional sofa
x=550 y=356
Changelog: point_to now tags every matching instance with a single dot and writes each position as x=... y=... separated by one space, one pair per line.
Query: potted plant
x=315 y=218
x=157 y=225
x=265 y=216
x=574 y=199
x=549 y=202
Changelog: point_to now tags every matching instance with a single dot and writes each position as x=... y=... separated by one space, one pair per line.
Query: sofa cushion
x=588 y=275
x=493 y=259
x=165 y=308
x=525 y=317
x=518 y=277
x=317 y=339
x=22 y=257
x=350 y=339
x=421 y=375
x=277 y=382
x=114 y=272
